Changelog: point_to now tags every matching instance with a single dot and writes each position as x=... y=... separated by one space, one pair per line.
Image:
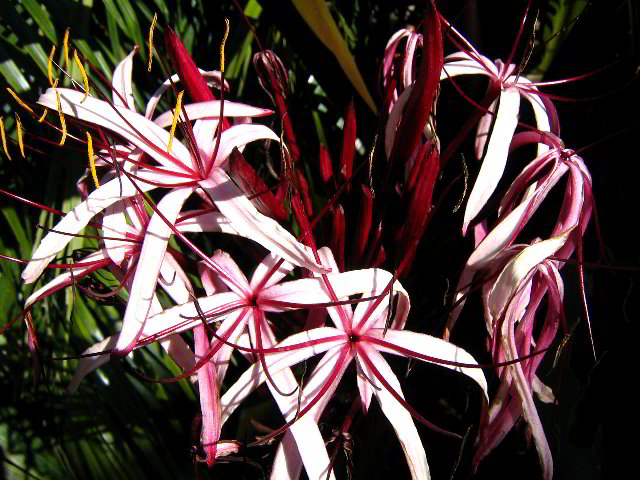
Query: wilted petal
x=511 y=276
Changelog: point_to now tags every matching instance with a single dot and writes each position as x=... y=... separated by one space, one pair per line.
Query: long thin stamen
x=92 y=160
x=63 y=124
x=153 y=25
x=85 y=79
x=19 y=133
x=20 y=102
x=50 y=65
x=174 y=121
x=65 y=44
x=4 y=139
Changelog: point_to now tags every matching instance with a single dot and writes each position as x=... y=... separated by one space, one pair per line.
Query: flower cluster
x=157 y=194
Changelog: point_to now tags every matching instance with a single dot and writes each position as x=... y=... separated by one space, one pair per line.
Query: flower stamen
x=85 y=79
x=174 y=121
x=20 y=102
x=4 y=139
x=153 y=25
x=50 y=65
x=92 y=160
x=19 y=132
x=65 y=43
x=63 y=124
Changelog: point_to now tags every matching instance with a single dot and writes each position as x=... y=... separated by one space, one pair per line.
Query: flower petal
x=147 y=135
x=310 y=291
x=422 y=344
x=121 y=82
x=239 y=136
x=78 y=218
x=211 y=109
x=496 y=157
x=149 y=262
x=267 y=264
x=397 y=415
x=254 y=376
x=518 y=268
x=251 y=223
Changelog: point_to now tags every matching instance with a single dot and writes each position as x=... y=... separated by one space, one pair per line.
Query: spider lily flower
x=503 y=100
x=416 y=104
x=521 y=201
x=359 y=336
x=184 y=170
x=241 y=306
x=511 y=302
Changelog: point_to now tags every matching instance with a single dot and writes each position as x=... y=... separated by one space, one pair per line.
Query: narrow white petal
x=78 y=218
x=113 y=118
x=121 y=82
x=253 y=377
x=148 y=267
x=196 y=111
x=513 y=273
x=250 y=223
x=398 y=416
x=496 y=157
x=433 y=347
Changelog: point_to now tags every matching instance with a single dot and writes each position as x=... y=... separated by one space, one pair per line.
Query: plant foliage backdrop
x=118 y=425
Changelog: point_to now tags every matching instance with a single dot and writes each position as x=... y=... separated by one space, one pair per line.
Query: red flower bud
x=348 y=144
x=326 y=167
x=191 y=78
x=337 y=236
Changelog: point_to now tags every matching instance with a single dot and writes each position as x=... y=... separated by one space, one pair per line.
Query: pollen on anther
x=85 y=79
x=19 y=133
x=174 y=121
x=92 y=160
x=153 y=24
x=50 y=65
x=20 y=102
x=65 y=44
x=43 y=116
x=224 y=40
x=4 y=139
x=63 y=124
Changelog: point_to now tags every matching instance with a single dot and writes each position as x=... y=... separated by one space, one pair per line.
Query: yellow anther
x=19 y=132
x=174 y=121
x=50 y=65
x=224 y=40
x=4 y=139
x=153 y=25
x=20 y=102
x=85 y=79
x=92 y=160
x=63 y=124
x=65 y=44
x=44 y=114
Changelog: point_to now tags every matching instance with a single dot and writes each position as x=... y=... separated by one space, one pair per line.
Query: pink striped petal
x=121 y=82
x=148 y=267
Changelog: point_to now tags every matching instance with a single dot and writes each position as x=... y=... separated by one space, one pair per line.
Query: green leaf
x=316 y=14
x=41 y=17
x=24 y=244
